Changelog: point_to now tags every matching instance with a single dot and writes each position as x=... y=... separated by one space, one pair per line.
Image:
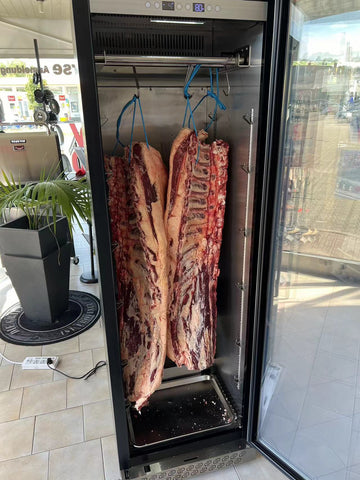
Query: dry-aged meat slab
x=136 y=205
x=194 y=220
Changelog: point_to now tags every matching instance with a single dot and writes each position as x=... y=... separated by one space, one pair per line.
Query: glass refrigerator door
x=309 y=414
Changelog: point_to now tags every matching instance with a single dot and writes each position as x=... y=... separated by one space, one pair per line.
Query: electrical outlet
x=38 y=363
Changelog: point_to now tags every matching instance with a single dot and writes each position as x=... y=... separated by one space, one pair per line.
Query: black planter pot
x=38 y=264
x=17 y=239
x=42 y=284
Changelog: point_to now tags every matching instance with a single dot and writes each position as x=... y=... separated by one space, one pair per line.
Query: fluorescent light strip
x=183 y=22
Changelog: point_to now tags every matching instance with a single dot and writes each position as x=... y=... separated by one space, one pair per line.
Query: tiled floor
x=53 y=428
x=258 y=469
x=313 y=416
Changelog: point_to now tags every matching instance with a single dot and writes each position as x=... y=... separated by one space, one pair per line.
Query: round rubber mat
x=83 y=311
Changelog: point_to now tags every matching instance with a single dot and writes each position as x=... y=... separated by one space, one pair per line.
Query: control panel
x=197 y=7
x=224 y=9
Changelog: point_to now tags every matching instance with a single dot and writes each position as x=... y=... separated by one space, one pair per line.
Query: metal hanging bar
x=152 y=61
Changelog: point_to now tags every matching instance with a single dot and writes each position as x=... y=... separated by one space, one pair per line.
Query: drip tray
x=180 y=408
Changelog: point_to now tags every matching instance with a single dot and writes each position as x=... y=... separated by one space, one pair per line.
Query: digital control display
x=198 y=7
x=168 y=5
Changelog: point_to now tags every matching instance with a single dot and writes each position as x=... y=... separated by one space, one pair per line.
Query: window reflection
x=310 y=401
x=322 y=156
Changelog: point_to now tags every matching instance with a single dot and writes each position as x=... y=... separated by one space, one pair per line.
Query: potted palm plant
x=35 y=247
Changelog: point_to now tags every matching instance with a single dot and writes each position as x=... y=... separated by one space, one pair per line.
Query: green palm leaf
x=43 y=200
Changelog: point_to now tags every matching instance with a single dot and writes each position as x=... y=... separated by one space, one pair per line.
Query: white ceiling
x=314 y=9
x=49 y=22
x=53 y=9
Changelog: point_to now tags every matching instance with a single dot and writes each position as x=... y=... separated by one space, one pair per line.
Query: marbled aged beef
x=136 y=205
x=194 y=220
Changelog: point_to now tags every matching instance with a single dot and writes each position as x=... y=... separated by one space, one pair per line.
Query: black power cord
x=86 y=375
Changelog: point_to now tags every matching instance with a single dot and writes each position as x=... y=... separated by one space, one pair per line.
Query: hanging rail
x=152 y=61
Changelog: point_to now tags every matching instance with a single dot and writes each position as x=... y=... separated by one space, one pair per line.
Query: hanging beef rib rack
x=203 y=175
x=194 y=219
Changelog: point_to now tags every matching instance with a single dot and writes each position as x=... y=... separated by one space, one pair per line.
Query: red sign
x=11 y=98
x=62 y=98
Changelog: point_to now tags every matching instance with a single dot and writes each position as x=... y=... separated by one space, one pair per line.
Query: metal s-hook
x=189 y=72
x=227 y=93
x=137 y=82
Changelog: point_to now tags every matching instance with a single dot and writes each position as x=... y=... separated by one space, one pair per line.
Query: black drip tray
x=180 y=408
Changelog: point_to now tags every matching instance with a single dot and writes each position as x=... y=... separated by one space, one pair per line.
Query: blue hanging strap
x=191 y=116
x=188 y=83
x=132 y=129
x=188 y=96
x=134 y=100
x=211 y=94
x=118 y=141
x=143 y=122
x=188 y=106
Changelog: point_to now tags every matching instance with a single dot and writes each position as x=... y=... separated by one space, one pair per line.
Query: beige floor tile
x=58 y=429
x=10 y=403
x=3 y=362
x=100 y=324
x=8 y=296
x=76 y=284
x=78 y=462
x=26 y=378
x=110 y=458
x=46 y=398
x=95 y=389
x=259 y=469
x=5 y=377
x=17 y=353
x=92 y=338
x=228 y=473
x=16 y=438
x=76 y=270
x=75 y=364
x=33 y=467
x=62 y=348
x=98 y=355
x=98 y=420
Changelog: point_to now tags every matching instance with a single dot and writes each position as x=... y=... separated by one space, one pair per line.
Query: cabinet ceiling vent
x=121 y=35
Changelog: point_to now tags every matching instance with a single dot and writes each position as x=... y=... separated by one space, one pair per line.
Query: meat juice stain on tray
x=179 y=411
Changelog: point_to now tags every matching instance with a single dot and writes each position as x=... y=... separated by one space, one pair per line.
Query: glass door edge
x=272 y=134
x=275 y=460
